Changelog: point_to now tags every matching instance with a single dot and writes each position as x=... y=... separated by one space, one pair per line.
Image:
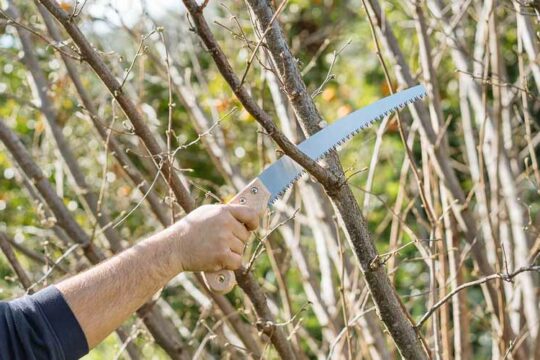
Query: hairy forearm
x=103 y=297
x=209 y=238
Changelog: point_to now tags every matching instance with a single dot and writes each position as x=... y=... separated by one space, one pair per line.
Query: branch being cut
x=262 y=117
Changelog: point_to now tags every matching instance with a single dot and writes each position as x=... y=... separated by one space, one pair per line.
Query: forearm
x=210 y=238
x=103 y=297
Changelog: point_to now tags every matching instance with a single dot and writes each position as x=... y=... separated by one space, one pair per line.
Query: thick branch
x=262 y=117
x=113 y=145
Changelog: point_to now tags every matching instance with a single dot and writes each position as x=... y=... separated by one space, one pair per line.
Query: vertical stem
x=390 y=308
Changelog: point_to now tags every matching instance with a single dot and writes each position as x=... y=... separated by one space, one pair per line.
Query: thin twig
x=502 y=276
x=262 y=38
x=51 y=43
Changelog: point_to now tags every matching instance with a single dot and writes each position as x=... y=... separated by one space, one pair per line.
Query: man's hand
x=213 y=237
x=209 y=238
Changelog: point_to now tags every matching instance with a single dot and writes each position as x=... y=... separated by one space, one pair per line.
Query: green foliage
x=317 y=31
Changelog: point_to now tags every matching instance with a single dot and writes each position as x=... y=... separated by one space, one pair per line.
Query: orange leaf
x=66 y=6
x=344 y=110
x=329 y=94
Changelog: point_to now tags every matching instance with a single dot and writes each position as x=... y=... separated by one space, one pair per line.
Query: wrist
x=166 y=252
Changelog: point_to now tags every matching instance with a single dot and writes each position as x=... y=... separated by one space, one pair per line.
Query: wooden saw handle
x=255 y=195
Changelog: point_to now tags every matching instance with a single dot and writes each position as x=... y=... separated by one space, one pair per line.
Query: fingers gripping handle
x=255 y=195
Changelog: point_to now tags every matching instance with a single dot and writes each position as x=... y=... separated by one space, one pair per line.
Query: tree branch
x=93 y=59
x=262 y=117
x=5 y=246
x=389 y=305
x=502 y=276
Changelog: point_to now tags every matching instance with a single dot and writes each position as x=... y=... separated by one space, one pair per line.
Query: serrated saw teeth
x=286 y=188
x=283 y=173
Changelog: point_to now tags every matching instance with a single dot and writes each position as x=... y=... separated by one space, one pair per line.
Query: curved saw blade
x=279 y=176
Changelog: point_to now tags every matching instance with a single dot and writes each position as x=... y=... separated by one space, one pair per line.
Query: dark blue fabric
x=40 y=326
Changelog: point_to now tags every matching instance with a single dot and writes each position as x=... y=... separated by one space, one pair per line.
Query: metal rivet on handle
x=221 y=278
x=242 y=200
x=254 y=190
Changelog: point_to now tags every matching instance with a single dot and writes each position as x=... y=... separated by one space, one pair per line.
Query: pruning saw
x=273 y=182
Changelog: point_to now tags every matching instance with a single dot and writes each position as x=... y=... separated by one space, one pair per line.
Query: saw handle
x=255 y=195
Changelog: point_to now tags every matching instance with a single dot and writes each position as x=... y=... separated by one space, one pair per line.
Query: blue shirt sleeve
x=40 y=326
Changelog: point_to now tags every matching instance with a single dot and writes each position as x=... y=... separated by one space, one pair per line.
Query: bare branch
x=503 y=276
